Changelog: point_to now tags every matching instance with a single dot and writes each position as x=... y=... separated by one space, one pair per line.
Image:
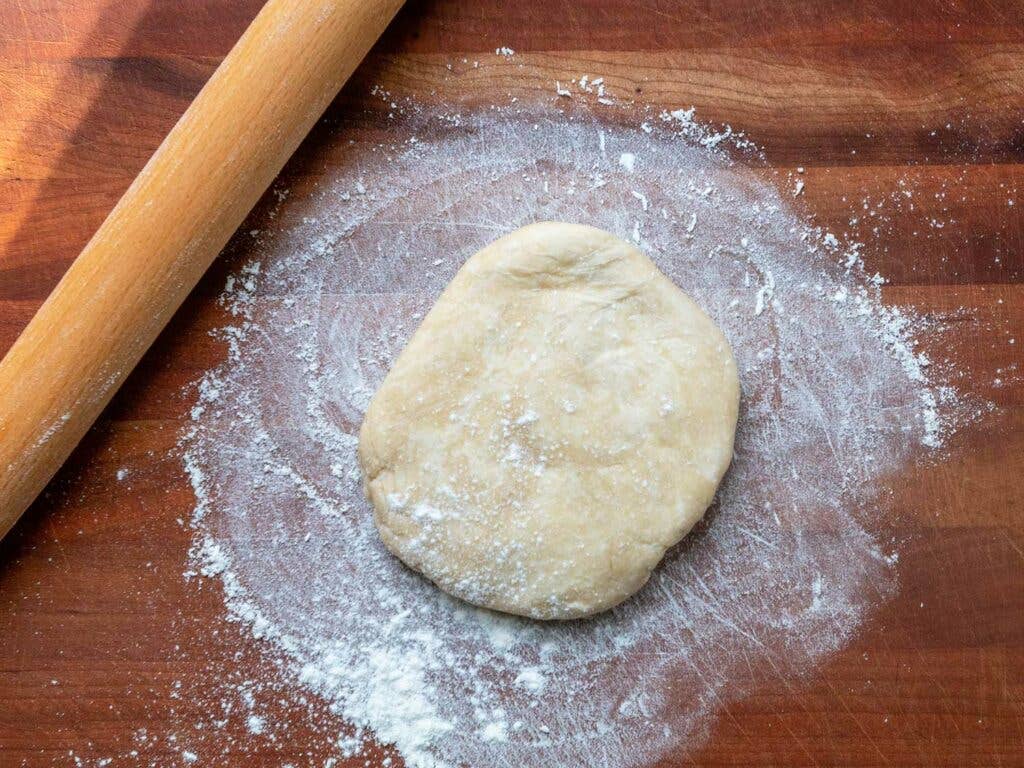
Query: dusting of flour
x=784 y=569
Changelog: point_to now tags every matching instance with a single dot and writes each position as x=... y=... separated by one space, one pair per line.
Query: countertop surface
x=98 y=627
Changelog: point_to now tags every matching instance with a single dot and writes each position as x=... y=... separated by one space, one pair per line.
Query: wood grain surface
x=101 y=637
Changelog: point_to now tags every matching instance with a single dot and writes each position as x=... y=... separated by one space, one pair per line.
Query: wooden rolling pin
x=168 y=227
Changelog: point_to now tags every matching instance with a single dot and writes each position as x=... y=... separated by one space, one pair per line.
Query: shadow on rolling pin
x=167 y=228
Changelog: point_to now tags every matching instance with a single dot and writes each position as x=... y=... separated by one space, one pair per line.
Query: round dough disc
x=561 y=418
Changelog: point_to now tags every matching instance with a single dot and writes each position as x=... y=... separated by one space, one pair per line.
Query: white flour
x=782 y=572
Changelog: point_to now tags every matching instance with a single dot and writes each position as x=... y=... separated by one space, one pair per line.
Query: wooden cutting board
x=97 y=627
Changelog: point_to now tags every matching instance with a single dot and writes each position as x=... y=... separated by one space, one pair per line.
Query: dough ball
x=561 y=418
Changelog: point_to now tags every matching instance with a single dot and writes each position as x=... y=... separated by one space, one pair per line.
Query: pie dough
x=561 y=418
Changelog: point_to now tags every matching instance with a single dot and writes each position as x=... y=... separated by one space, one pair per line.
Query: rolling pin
x=168 y=227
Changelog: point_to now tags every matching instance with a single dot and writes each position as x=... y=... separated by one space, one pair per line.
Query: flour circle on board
x=798 y=555
x=560 y=419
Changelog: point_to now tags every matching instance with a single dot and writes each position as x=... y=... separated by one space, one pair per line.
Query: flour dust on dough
x=562 y=417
